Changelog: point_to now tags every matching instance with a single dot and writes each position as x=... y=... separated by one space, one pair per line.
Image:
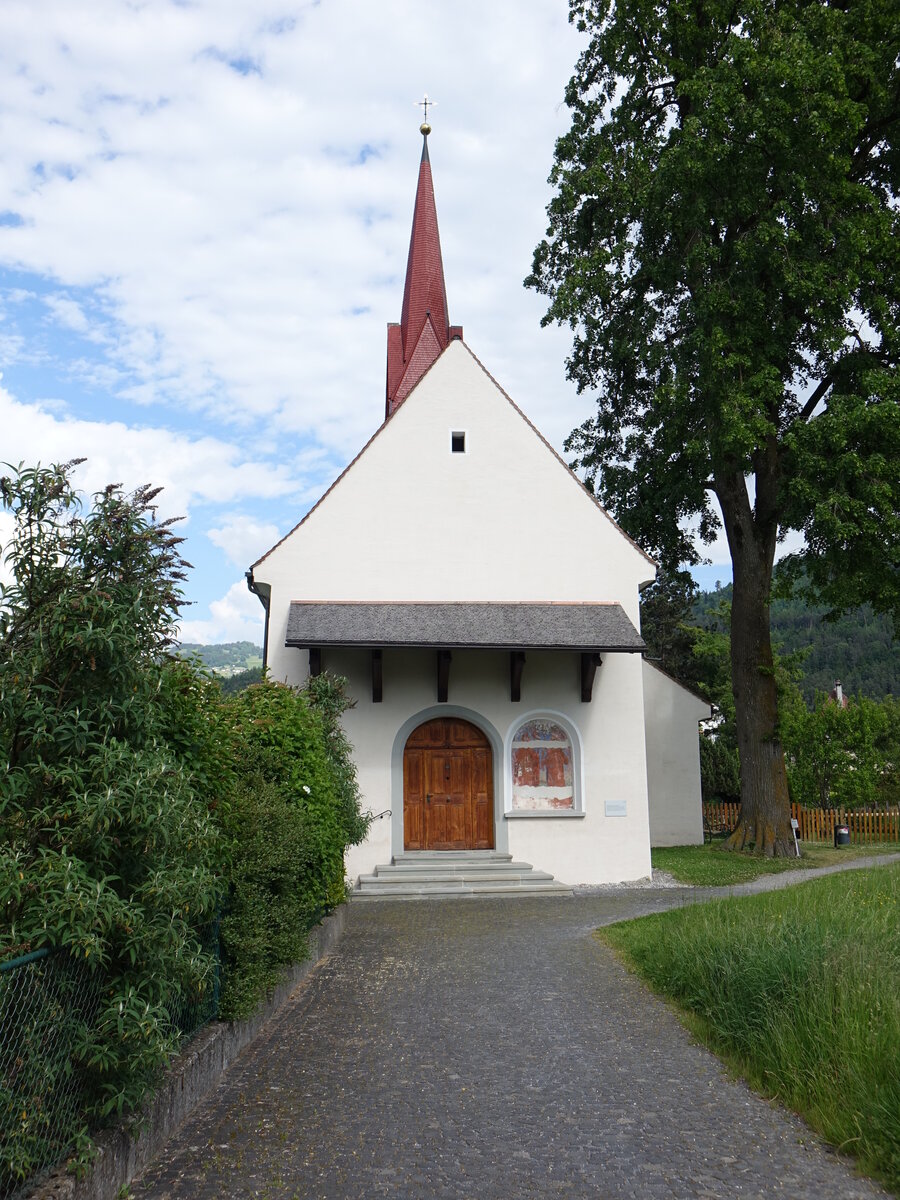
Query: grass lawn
x=799 y=991
x=712 y=866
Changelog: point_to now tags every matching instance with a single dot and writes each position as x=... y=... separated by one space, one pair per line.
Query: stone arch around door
x=484 y=735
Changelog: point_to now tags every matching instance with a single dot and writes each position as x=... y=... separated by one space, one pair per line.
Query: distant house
x=836 y=695
x=484 y=609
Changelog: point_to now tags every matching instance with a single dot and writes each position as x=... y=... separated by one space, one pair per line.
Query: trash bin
x=842 y=835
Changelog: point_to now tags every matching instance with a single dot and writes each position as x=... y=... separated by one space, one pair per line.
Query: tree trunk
x=765 y=823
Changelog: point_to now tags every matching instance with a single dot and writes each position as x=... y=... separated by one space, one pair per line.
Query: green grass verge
x=799 y=991
x=713 y=866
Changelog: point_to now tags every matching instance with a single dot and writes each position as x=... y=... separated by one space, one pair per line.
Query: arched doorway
x=448 y=792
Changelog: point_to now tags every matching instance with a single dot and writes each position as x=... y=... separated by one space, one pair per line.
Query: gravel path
x=488 y=1048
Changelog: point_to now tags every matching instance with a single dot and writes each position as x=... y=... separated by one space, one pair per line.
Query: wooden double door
x=448 y=787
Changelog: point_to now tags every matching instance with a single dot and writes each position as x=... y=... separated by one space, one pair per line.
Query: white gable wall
x=505 y=521
x=409 y=520
x=673 y=759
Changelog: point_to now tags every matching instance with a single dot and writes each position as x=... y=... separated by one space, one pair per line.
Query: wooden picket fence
x=720 y=818
x=817 y=824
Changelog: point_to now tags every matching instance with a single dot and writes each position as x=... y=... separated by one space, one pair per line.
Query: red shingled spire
x=424 y=329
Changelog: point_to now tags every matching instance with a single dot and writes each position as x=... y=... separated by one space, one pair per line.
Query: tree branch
x=809 y=407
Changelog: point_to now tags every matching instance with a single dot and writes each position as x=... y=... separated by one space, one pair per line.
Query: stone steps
x=455 y=873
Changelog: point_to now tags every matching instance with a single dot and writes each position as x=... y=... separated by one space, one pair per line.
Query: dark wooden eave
x=589 y=665
x=516 y=667
x=444 y=658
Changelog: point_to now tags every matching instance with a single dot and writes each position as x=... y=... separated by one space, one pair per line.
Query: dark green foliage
x=842 y=757
x=722 y=219
x=269 y=909
x=107 y=851
x=858 y=648
x=232 y=684
x=295 y=811
x=666 y=620
x=199 y=730
x=46 y=999
x=328 y=698
x=720 y=772
x=724 y=243
x=138 y=800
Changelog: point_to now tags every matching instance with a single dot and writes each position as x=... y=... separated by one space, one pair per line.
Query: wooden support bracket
x=376 y=677
x=315 y=661
x=443 y=675
x=516 y=666
x=589 y=665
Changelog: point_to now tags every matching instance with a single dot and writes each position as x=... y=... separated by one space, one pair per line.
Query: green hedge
x=137 y=802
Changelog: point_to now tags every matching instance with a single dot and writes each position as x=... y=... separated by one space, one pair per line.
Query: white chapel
x=484 y=611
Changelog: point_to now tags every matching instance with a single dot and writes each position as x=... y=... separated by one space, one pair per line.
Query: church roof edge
x=562 y=462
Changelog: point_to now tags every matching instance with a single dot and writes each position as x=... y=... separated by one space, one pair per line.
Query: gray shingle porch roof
x=485 y=626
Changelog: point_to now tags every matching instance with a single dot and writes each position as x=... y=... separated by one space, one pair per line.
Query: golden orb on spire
x=425 y=104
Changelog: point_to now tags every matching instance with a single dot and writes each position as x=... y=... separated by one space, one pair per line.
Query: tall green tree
x=108 y=850
x=668 y=625
x=724 y=242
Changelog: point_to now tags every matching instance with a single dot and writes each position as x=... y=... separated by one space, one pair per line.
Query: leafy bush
x=269 y=910
x=720 y=771
x=240 y=680
x=328 y=697
x=107 y=851
x=293 y=740
x=137 y=799
x=842 y=757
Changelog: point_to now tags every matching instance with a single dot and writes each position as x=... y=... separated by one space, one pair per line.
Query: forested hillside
x=226 y=658
x=859 y=649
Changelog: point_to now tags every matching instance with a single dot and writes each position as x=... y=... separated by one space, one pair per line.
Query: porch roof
x=484 y=626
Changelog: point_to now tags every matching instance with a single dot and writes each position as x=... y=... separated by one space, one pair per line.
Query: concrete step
x=460 y=867
x=455 y=873
x=387 y=875
x=434 y=891
x=447 y=856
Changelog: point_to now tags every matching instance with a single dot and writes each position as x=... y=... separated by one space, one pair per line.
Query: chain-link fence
x=48 y=1003
x=45 y=1000
x=190 y=1011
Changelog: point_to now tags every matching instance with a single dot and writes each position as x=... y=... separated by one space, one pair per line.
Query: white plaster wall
x=411 y=521
x=506 y=521
x=672 y=714
x=592 y=848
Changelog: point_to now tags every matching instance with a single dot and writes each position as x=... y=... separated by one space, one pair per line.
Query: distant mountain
x=859 y=649
x=226 y=658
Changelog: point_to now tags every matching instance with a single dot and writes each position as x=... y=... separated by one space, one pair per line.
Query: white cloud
x=235 y=199
x=243 y=538
x=204 y=215
x=68 y=313
x=238 y=616
x=191 y=470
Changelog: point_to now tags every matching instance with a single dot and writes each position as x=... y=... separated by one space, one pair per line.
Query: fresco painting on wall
x=543 y=777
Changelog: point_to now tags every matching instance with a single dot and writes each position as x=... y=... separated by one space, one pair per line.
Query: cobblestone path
x=490 y=1049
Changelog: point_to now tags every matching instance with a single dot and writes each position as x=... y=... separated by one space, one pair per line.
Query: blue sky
x=204 y=217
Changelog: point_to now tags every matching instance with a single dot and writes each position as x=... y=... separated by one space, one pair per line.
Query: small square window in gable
x=458 y=441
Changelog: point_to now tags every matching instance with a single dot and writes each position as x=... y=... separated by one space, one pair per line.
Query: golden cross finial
x=425 y=105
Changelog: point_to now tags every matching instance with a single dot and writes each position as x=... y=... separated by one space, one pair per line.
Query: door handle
x=428 y=797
